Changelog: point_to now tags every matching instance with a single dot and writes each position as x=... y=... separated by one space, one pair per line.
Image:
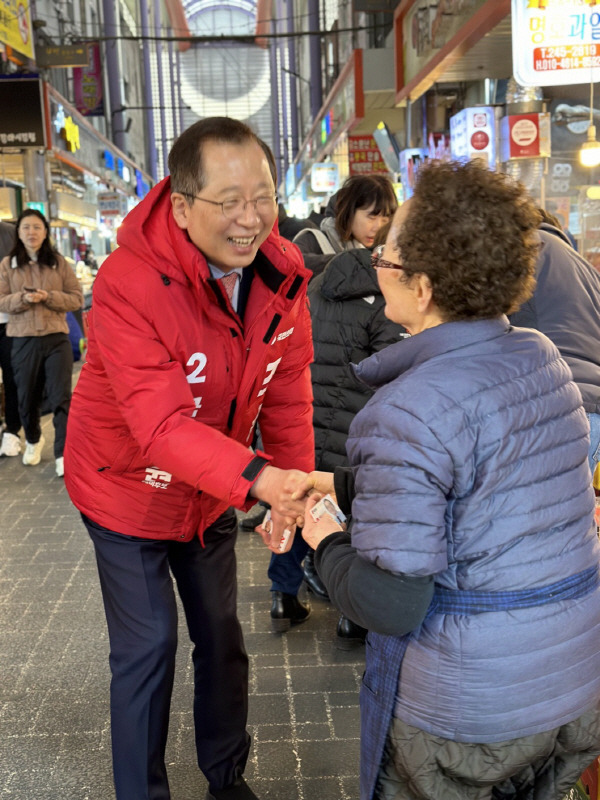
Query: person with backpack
x=353 y=217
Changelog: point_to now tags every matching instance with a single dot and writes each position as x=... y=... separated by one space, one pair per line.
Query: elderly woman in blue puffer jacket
x=473 y=558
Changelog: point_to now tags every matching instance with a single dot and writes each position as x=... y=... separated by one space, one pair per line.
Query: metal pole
x=147 y=81
x=117 y=118
x=161 y=88
x=175 y=100
x=179 y=94
x=275 y=96
x=295 y=130
x=284 y=99
x=316 y=89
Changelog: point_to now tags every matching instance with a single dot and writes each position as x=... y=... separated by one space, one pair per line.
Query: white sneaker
x=60 y=467
x=33 y=452
x=11 y=445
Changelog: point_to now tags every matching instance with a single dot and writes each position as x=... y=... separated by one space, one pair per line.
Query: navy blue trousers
x=141 y=612
x=286 y=572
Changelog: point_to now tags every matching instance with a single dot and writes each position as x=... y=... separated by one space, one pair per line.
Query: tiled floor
x=54 y=726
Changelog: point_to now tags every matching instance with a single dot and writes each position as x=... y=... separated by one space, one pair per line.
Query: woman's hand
x=321 y=482
x=37 y=296
x=314 y=532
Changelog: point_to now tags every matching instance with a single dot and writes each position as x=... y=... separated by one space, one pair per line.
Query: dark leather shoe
x=237 y=791
x=313 y=583
x=349 y=635
x=286 y=611
x=254 y=518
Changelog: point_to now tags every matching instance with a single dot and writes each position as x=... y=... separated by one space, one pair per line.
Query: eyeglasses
x=233 y=209
x=378 y=261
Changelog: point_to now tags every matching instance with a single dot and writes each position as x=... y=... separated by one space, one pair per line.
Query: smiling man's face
x=232 y=171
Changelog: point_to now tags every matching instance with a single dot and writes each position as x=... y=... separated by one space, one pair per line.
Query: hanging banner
x=87 y=84
x=15 y=26
x=555 y=42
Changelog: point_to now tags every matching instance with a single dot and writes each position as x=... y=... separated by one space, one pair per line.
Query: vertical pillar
x=275 y=97
x=147 y=83
x=161 y=86
x=316 y=86
x=35 y=176
x=291 y=45
x=175 y=101
x=180 y=96
x=112 y=62
x=281 y=48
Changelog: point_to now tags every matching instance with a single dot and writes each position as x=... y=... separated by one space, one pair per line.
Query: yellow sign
x=71 y=134
x=15 y=26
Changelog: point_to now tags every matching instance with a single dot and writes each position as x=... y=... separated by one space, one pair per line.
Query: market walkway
x=54 y=727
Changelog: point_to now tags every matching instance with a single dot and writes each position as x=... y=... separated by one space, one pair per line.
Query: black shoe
x=237 y=791
x=313 y=583
x=349 y=635
x=254 y=518
x=286 y=611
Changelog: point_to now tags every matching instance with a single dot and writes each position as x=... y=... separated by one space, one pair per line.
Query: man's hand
x=283 y=490
x=314 y=532
x=321 y=482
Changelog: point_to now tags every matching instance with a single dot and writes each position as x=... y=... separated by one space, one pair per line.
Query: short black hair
x=185 y=159
x=363 y=191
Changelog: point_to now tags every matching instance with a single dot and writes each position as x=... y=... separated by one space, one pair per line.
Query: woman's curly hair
x=473 y=233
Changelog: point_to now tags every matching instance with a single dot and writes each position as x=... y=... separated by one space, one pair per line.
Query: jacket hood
x=545 y=226
x=348 y=275
x=150 y=232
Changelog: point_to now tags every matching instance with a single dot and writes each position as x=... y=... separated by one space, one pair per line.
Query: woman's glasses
x=378 y=261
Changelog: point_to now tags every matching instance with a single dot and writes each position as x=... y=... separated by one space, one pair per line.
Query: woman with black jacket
x=347 y=311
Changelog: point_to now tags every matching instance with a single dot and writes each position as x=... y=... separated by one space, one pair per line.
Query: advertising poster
x=87 y=84
x=15 y=26
x=364 y=156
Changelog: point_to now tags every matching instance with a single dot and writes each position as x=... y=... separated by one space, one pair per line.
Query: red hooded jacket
x=165 y=408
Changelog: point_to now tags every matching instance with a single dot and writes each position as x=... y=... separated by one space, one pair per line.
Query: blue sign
x=109 y=160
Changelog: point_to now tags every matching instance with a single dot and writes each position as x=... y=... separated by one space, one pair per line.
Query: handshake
x=297 y=499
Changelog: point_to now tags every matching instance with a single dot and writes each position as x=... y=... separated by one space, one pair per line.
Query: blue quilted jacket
x=471 y=465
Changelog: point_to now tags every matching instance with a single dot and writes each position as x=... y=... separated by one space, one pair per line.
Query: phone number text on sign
x=566 y=57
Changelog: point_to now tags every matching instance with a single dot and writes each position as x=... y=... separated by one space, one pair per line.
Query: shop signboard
x=24 y=126
x=473 y=135
x=525 y=136
x=364 y=156
x=15 y=26
x=87 y=84
x=324 y=178
x=62 y=55
x=112 y=204
x=555 y=42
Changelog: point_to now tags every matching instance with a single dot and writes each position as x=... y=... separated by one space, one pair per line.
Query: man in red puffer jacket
x=199 y=329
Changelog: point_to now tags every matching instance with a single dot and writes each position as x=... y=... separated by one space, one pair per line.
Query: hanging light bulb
x=589 y=154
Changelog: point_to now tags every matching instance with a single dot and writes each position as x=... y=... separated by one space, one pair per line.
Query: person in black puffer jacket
x=348 y=325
